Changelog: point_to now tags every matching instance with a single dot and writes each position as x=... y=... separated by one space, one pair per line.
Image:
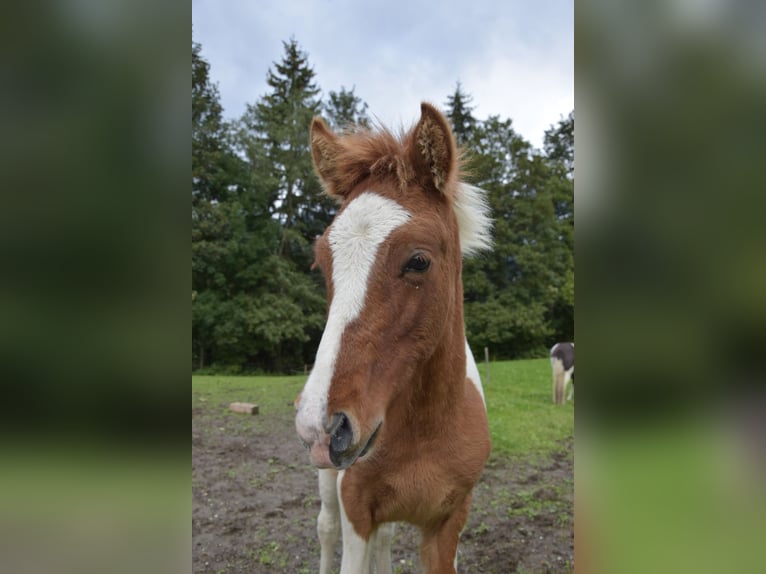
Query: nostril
x=335 y=422
x=341 y=434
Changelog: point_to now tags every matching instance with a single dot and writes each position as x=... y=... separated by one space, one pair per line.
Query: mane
x=473 y=218
x=383 y=154
x=374 y=152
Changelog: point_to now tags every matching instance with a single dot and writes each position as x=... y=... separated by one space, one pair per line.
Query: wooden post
x=486 y=361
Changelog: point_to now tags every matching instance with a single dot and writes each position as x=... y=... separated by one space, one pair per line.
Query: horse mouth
x=345 y=462
x=370 y=442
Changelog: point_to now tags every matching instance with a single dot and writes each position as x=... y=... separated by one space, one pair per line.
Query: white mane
x=472 y=211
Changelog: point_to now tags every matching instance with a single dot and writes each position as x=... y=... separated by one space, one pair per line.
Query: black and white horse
x=562 y=363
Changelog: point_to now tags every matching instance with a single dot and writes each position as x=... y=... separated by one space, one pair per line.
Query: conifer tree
x=251 y=307
x=559 y=150
x=214 y=170
x=345 y=108
x=459 y=113
x=559 y=143
x=279 y=124
x=257 y=208
x=511 y=292
x=209 y=169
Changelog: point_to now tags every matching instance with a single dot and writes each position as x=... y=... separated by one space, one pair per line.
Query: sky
x=515 y=58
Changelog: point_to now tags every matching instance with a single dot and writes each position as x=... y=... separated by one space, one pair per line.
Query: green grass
x=522 y=418
x=269 y=393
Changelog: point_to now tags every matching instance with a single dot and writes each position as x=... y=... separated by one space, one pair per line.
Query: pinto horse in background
x=393 y=411
x=562 y=364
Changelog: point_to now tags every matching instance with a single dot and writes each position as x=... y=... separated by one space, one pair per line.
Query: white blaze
x=354 y=239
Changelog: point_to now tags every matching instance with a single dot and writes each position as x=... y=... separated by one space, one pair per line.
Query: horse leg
x=380 y=542
x=558 y=381
x=438 y=550
x=356 y=550
x=571 y=387
x=328 y=521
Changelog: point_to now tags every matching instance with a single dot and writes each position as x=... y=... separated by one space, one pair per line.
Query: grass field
x=522 y=418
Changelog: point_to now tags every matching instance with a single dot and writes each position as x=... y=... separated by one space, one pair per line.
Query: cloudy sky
x=515 y=57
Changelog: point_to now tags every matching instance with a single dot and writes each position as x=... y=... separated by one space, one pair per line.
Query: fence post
x=486 y=361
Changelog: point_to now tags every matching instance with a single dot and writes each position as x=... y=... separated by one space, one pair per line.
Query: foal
x=393 y=412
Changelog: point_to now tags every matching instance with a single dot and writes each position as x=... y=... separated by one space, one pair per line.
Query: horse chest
x=415 y=491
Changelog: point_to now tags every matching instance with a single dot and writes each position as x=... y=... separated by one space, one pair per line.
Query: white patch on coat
x=356 y=556
x=472 y=372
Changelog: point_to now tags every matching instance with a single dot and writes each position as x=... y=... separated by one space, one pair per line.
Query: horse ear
x=325 y=148
x=434 y=152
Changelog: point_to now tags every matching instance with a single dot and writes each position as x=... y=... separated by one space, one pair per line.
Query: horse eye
x=418 y=263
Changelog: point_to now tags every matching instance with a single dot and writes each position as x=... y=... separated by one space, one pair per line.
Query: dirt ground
x=255 y=504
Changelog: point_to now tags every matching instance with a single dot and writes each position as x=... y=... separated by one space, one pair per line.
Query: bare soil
x=255 y=504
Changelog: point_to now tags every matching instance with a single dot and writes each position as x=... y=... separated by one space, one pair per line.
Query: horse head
x=392 y=261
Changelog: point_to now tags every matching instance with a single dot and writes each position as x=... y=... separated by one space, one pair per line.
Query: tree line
x=257 y=207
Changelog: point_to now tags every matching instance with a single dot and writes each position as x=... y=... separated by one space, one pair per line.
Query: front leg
x=328 y=522
x=381 y=548
x=438 y=550
x=356 y=550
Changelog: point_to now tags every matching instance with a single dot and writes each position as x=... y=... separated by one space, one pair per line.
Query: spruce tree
x=345 y=109
x=209 y=177
x=279 y=125
x=273 y=137
x=459 y=113
x=212 y=167
x=251 y=307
